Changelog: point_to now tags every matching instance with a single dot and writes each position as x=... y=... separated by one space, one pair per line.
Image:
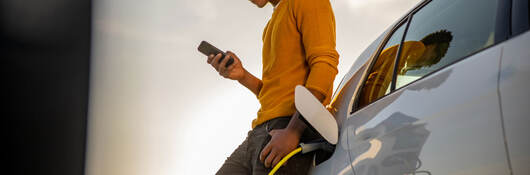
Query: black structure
x=45 y=53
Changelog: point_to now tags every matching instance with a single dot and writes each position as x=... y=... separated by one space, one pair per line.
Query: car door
x=514 y=80
x=429 y=108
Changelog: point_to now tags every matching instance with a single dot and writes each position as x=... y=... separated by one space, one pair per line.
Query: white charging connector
x=309 y=147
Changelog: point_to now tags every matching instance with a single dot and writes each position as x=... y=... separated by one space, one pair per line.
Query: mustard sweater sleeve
x=316 y=23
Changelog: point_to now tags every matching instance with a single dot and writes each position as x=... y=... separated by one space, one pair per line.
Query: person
x=415 y=55
x=298 y=49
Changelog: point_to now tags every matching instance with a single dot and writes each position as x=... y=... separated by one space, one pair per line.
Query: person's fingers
x=229 y=68
x=231 y=54
x=234 y=64
x=270 y=158
x=222 y=65
x=276 y=160
x=215 y=61
x=264 y=152
x=210 y=58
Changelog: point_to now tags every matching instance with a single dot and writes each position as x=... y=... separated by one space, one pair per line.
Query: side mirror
x=316 y=114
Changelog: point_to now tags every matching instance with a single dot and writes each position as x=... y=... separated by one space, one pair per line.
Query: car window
x=443 y=32
x=379 y=79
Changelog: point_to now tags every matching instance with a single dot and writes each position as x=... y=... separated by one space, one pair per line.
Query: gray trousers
x=245 y=159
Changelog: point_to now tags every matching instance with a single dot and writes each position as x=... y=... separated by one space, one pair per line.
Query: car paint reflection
x=398 y=139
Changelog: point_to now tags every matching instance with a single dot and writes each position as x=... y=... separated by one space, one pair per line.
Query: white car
x=458 y=102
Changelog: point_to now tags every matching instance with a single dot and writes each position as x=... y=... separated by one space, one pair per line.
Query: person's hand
x=235 y=71
x=282 y=142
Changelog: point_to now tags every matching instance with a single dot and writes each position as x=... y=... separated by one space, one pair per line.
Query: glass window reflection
x=443 y=32
x=378 y=82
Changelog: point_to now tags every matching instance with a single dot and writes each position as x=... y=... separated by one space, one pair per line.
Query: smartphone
x=208 y=49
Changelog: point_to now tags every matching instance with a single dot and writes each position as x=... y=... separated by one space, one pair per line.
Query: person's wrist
x=296 y=131
x=244 y=77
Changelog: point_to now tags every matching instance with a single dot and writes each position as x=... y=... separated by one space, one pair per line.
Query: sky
x=157 y=107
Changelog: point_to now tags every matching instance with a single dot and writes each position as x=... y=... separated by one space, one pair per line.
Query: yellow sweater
x=298 y=49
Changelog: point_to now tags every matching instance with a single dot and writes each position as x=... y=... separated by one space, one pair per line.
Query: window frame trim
x=520 y=17
x=504 y=24
x=398 y=55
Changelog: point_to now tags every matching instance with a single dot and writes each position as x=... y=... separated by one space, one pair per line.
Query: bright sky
x=158 y=108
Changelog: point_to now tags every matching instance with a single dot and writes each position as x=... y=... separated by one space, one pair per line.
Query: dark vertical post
x=45 y=54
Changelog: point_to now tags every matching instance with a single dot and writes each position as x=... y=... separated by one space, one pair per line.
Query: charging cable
x=284 y=159
x=304 y=148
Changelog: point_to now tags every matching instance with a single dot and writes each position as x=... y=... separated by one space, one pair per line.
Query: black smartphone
x=208 y=49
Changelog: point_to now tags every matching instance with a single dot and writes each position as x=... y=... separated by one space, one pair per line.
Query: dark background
x=45 y=53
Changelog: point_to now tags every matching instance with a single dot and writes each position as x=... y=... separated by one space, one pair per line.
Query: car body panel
x=515 y=99
x=449 y=121
x=339 y=162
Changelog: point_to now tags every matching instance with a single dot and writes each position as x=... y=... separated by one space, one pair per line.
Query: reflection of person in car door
x=415 y=55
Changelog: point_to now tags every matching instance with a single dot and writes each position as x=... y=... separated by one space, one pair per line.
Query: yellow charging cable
x=284 y=159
